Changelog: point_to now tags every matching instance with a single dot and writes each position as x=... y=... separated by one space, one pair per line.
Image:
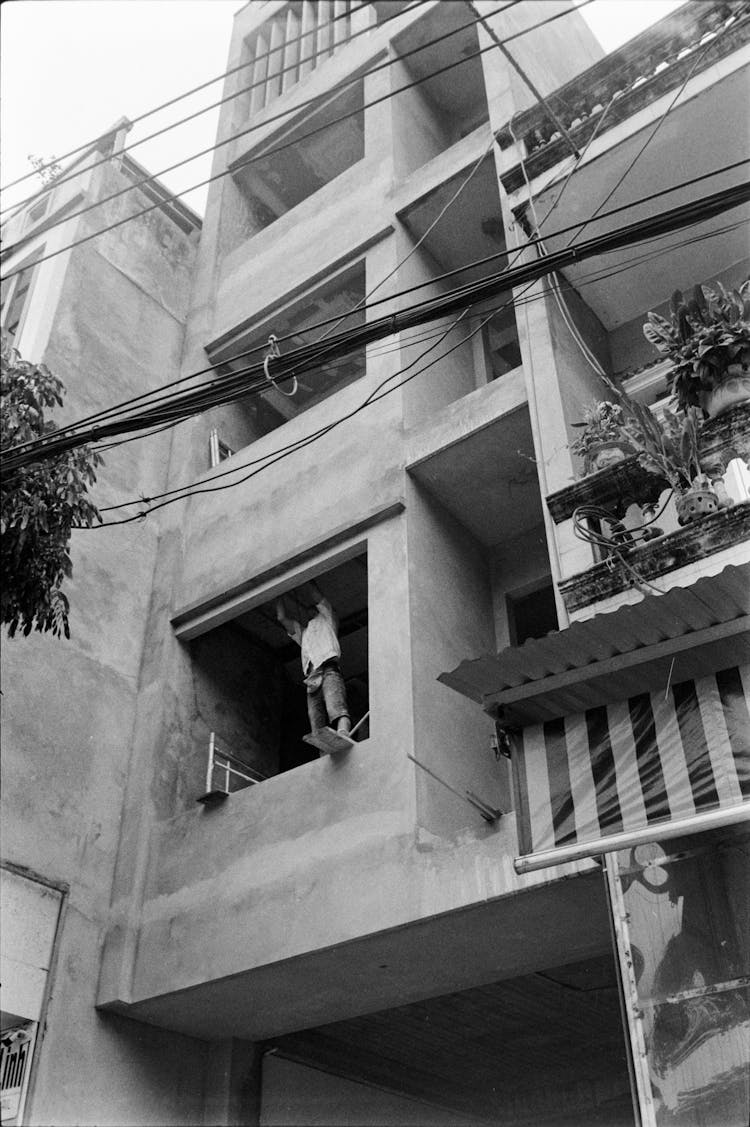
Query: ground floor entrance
x=545 y=1048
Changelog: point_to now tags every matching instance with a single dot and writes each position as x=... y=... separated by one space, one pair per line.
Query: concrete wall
x=629 y=347
x=451 y=611
x=294 y=1093
x=69 y=705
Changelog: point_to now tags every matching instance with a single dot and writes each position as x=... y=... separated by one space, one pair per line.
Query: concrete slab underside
x=555 y=924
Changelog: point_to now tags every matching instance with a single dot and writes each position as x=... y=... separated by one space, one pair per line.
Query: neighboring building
x=108 y=319
x=349 y=940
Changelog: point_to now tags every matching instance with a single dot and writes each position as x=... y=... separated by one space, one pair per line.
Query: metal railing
x=226 y=773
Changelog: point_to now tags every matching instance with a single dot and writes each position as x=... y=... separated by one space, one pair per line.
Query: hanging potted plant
x=602 y=441
x=668 y=447
x=708 y=340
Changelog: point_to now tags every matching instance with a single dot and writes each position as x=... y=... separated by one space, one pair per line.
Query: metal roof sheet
x=571 y=669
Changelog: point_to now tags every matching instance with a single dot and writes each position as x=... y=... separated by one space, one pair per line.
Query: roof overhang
x=684 y=634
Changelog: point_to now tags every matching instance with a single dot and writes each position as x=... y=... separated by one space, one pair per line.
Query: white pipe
x=712 y=819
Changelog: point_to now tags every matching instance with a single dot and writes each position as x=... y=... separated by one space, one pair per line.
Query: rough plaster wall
x=294 y=1093
x=578 y=381
x=419 y=133
x=445 y=380
x=69 y=705
x=451 y=613
x=514 y=565
x=550 y=56
x=238 y=690
x=631 y=350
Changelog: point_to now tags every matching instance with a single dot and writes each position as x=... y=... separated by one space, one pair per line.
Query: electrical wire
x=252 y=158
x=319 y=100
x=184 y=490
x=118 y=409
x=631 y=164
x=270 y=459
x=508 y=275
x=196 y=89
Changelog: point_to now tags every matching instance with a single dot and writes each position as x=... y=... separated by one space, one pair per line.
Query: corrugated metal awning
x=687 y=632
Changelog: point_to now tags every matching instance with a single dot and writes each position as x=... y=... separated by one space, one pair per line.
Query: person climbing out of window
x=317 y=637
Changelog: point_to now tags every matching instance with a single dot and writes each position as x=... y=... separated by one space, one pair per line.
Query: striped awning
x=656 y=765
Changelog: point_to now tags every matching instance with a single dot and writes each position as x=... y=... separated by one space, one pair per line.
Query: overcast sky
x=71 y=68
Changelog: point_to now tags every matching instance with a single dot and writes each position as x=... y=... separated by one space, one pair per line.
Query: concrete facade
x=195 y=942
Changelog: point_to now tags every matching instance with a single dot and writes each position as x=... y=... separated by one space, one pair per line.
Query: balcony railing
x=625 y=81
x=226 y=774
x=604 y=501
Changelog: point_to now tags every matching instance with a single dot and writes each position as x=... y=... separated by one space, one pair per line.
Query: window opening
x=262 y=412
x=278 y=58
x=251 y=702
x=533 y=614
x=15 y=296
x=444 y=106
x=270 y=186
x=218 y=451
x=38 y=210
x=502 y=351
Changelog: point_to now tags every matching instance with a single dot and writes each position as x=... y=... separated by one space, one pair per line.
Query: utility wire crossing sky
x=94 y=63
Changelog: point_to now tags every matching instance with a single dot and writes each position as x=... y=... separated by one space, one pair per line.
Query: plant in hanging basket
x=603 y=440
x=708 y=340
x=668 y=448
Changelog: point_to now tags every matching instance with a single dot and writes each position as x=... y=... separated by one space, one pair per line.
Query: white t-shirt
x=319 y=641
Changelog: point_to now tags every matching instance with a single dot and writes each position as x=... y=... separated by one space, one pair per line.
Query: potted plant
x=668 y=447
x=603 y=440
x=708 y=340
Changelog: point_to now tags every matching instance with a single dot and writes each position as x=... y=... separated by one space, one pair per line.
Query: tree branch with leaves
x=40 y=504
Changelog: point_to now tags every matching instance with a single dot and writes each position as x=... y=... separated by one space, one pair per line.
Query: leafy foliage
x=602 y=422
x=666 y=447
x=704 y=336
x=40 y=504
x=47 y=170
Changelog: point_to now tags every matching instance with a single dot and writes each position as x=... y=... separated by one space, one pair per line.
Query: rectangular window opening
x=265 y=410
x=15 y=294
x=251 y=709
x=532 y=614
x=448 y=101
x=318 y=148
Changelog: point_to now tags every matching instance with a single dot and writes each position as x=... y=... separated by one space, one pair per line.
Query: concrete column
x=323 y=40
x=307 y=46
x=273 y=84
x=233 y=1084
x=259 y=74
x=289 y=75
x=360 y=18
x=341 y=25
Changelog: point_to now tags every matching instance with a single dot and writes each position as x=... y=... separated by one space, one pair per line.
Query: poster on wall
x=16 y=1052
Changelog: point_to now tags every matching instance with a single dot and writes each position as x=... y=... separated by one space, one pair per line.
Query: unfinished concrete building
x=410 y=932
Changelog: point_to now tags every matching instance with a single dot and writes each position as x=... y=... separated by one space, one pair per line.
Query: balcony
x=624 y=82
x=623 y=491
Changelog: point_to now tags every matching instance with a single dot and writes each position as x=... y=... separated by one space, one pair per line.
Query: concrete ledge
x=198 y=617
x=466 y=416
x=695 y=542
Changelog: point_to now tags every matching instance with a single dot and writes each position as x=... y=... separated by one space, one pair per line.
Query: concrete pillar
x=289 y=75
x=323 y=40
x=233 y=1084
x=259 y=73
x=341 y=25
x=273 y=83
x=307 y=46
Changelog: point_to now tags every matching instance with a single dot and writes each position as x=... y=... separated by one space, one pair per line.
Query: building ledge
x=641 y=71
x=647 y=562
x=614 y=655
